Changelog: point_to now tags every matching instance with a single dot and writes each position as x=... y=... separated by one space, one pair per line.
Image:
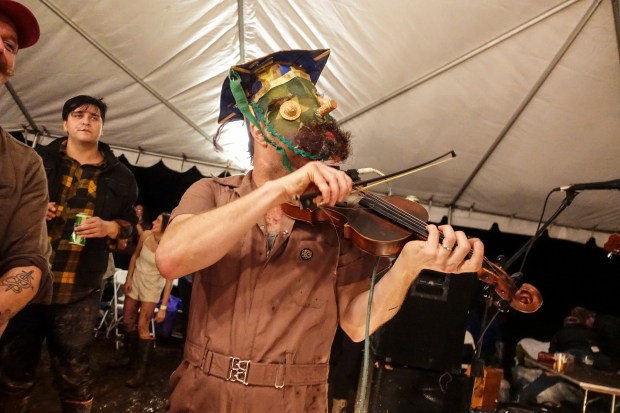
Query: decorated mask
x=277 y=93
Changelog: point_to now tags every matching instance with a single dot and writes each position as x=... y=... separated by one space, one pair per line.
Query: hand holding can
x=76 y=239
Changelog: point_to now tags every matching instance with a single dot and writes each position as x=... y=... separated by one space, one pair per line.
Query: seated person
x=538 y=388
x=607 y=328
x=578 y=339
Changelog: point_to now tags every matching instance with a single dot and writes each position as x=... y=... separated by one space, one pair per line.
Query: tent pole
x=21 y=106
x=533 y=91
x=460 y=60
x=126 y=69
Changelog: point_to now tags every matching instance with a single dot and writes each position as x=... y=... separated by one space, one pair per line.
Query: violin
x=381 y=225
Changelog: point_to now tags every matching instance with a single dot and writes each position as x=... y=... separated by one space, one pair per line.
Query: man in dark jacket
x=84 y=177
x=580 y=340
x=607 y=328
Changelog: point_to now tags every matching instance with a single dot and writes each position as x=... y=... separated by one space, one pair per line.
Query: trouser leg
x=20 y=353
x=530 y=392
x=69 y=347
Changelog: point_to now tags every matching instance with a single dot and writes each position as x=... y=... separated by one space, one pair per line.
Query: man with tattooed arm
x=24 y=248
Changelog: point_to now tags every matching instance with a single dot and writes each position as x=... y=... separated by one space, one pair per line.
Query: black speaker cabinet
x=406 y=390
x=428 y=331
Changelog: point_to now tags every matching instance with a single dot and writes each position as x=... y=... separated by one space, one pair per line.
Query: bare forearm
x=131 y=267
x=388 y=296
x=17 y=287
x=198 y=241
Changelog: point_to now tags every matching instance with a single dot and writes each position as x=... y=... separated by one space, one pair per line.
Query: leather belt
x=247 y=372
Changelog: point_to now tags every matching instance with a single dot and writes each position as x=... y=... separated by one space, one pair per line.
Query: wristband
x=163 y=307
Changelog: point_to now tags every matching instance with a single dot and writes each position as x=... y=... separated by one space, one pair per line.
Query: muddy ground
x=110 y=393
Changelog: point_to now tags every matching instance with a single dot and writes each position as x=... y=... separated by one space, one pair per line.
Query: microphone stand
x=478 y=365
x=570 y=195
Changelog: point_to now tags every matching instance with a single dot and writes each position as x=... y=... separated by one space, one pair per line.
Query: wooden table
x=589 y=379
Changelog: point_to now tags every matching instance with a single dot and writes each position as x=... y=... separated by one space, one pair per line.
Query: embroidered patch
x=306 y=254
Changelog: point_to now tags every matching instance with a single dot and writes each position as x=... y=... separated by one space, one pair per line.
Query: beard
x=325 y=139
x=5 y=70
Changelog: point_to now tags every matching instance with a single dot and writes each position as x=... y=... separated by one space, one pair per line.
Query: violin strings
x=413 y=223
x=399 y=215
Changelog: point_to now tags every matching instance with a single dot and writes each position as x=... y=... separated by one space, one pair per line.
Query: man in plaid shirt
x=84 y=176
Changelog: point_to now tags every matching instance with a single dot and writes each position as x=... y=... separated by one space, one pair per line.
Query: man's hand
x=449 y=256
x=95 y=227
x=51 y=211
x=333 y=185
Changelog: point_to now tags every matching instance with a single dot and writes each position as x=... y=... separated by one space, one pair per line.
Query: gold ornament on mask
x=327 y=105
x=290 y=110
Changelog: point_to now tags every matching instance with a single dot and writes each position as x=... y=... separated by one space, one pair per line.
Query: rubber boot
x=14 y=404
x=77 y=406
x=145 y=350
x=130 y=344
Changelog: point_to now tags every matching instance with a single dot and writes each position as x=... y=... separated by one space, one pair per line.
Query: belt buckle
x=238 y=370
x=279 y=382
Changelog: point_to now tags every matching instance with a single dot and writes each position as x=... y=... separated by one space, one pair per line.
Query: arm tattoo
x=18 y=282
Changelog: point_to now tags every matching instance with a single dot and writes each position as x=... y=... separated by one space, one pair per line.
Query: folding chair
x=104 y=311
x=115 y=312
x=107 y=305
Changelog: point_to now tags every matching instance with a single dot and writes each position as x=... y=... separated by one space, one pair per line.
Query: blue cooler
x=165 y=329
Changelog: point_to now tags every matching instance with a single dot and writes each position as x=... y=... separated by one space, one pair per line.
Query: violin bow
x=306 y=201
x=369 y=183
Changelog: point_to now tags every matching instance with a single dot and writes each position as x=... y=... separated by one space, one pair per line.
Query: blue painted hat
x=256 y=76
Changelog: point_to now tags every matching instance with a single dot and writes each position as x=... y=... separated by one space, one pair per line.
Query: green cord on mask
x=244 y=108
x=281 y=138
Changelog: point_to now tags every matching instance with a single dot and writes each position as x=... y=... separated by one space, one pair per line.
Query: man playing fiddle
x=269 y=291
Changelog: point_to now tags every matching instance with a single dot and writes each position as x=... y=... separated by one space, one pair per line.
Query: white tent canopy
x=527 y=93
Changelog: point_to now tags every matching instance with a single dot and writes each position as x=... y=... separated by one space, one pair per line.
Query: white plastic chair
x=110 y=316
x=116 y=305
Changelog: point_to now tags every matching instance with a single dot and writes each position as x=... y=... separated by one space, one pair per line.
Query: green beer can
x=75 y=238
